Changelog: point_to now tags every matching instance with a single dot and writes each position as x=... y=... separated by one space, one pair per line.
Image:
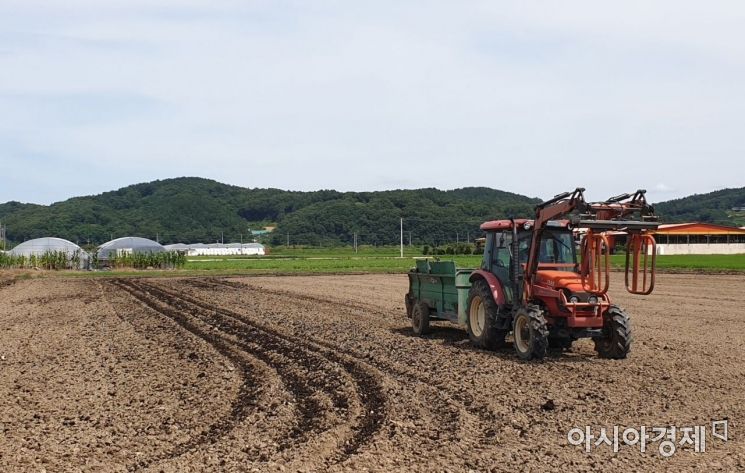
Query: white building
x=699 y=239
x=218 y=249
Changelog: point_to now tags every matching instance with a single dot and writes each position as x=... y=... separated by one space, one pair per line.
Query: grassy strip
x=329 y=262
x=326 y=264
x=711 y=263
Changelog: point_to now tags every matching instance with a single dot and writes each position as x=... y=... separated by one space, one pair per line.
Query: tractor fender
x=494 y=284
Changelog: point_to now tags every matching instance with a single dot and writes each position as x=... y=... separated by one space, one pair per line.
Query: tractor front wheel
x=616 y=341
x=420 y=319
x=482 y=314
x=530 y=333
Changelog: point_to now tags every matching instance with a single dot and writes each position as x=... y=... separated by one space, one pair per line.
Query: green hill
x=193 y=209
x=713 y=207
x=202 y=210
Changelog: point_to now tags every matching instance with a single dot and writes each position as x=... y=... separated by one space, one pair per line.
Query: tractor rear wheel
x=530 y=333
x=616 y=341
x=420 y=319
x=482 y=314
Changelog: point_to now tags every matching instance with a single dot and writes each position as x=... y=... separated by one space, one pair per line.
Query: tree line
x=194 y=210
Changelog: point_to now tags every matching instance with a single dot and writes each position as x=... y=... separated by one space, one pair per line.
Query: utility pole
x=402 y=237
x=288 y=240
x=409 y=237
x=457 y=238
x=355 y=242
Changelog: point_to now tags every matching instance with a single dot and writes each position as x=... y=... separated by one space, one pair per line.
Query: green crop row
x=162 y=260
x=52 y=260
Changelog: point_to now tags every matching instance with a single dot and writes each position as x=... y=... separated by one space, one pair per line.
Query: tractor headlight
x=592 y=300
x=574 y=299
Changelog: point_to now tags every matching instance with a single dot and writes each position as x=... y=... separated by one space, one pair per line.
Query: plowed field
x=323 y=374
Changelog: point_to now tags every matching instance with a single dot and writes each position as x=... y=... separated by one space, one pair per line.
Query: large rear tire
x=482 y=315
x=420 y=319
x=530 y=333
x=617 y=338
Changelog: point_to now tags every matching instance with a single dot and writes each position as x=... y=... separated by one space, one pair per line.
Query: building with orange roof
x=699 y=239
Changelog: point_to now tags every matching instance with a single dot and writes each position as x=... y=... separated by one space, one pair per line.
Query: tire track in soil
x=308 y=407
x=299 y=353
x=7 y=282
x=209 y=283
x=371 y=394
x=451 y=417
x=241 y=407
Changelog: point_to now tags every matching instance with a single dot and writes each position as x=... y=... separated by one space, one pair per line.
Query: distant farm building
x=699 y=239
x=691 y=239
x=40 y=246
x=127 y=246
x=218 y=249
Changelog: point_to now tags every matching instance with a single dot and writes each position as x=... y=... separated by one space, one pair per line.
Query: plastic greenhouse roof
x=39 y=246
x=135 y=244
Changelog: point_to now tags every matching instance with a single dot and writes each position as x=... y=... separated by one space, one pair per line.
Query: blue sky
x=533 y=97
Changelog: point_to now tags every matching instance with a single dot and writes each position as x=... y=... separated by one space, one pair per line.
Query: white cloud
x=531 y=97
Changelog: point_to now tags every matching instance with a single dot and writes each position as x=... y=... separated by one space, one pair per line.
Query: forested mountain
x=202 y=210
x=725 y=207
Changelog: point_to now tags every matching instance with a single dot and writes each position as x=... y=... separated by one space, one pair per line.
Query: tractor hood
x=559 y=280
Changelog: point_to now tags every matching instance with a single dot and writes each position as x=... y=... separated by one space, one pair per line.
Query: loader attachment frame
x=594 y=268
x=641 y=257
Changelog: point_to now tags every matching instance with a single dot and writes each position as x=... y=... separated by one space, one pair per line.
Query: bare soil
x=323 y=373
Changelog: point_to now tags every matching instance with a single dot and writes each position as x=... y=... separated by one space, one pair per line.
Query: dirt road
x=323 y=374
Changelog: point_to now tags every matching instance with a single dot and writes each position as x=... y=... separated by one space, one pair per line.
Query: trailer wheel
x=617 y=338
x=420 y=319
x=482 y=314
x=409 y=301
x=530 y=333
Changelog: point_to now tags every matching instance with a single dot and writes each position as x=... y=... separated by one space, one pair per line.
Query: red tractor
x=548 y=291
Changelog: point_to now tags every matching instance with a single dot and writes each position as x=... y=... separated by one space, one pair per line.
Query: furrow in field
x=310 y=373
x=250 y=389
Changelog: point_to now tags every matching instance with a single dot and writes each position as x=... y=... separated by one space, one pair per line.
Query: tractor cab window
x=502 y=255
x=557 y=247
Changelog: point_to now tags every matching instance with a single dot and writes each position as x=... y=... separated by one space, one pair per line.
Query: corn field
x=57 y=260
x=52 y=260
x=163 y=260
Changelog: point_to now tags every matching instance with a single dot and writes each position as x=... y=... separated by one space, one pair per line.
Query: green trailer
x=437 y=290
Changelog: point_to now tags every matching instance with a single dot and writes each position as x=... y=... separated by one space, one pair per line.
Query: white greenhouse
x=40 y=246
x=127 y=246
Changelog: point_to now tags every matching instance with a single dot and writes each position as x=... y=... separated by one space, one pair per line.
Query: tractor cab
x=557 y=257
